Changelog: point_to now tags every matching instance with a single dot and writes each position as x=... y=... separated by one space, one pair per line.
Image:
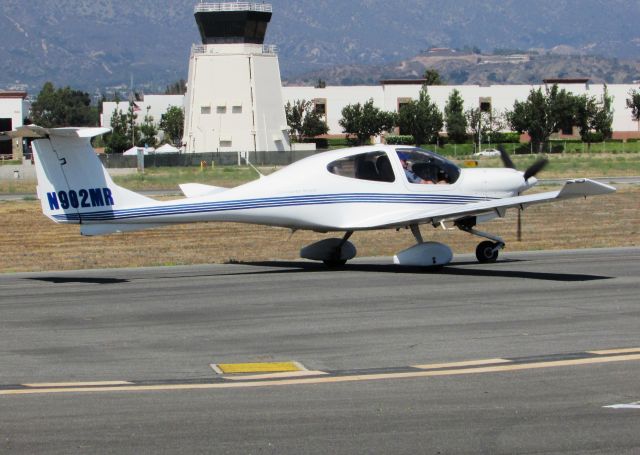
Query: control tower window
x=373 y=166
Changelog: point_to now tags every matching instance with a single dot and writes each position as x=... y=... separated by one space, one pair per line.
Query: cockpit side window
x=374 y=166
x=422 y=166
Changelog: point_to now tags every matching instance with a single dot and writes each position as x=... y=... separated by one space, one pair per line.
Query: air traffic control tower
x=234 y=93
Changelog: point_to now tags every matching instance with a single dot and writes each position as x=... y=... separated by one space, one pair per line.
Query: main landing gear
x=333 y=252
x=487 y=251
x=337 y=259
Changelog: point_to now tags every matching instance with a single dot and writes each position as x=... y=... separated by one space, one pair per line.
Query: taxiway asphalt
x=117 y=361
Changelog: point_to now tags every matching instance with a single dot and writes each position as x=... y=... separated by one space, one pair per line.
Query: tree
x=542 y=114
x=177 y=88
x=603 y=122
x=484 y=124
x=148 y=131
x=585 y=112
x=421 y=118
x=172 y=123
x=303 y=120
x=633 y=103
x=592 y=116
x=455 y=119
x=63 y=107
x=364 y=121
x=118 y=140
x=432 y=77
x=133 y=131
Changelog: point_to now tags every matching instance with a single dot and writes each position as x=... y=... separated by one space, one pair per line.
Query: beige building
x=13 y=110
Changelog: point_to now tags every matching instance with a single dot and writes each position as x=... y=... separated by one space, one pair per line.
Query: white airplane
x=348 y=190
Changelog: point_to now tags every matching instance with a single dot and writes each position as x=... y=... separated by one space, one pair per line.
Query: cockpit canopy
x=428 y=165
x=376 y=166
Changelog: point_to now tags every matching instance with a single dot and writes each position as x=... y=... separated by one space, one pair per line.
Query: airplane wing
x=497 y=207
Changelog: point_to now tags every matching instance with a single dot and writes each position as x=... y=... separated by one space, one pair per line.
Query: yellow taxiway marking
x=615 y=351
x=469 y=363
x=329 y=379
x=262 y=367
x=76 y=384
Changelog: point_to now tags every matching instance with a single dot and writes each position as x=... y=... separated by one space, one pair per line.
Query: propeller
x=531 y=170
x=506 y=159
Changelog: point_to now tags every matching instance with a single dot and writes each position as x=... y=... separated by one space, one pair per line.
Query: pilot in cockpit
x=412 y=177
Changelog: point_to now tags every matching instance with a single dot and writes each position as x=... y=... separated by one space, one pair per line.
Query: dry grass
x=30 y=242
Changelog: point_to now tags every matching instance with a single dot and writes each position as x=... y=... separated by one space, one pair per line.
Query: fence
x=219 y=158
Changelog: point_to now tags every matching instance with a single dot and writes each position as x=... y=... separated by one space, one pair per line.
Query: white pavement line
x=75 y=384
x=635 y=405
x=468 y=363
x=289 y=374
x=329 y=379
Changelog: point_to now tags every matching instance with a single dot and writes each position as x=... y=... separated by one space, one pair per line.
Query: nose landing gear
x=487 y=251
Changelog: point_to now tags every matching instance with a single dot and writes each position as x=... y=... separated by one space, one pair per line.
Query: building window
x=205 y=110
x=320 y=106
x=485 y=104
x=6 y=124
x=567 y=130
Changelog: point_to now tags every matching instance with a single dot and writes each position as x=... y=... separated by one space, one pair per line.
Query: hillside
x=481 y=70
x=100 y=43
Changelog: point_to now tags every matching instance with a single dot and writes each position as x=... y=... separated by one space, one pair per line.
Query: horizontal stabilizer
x=34 y=131
x=191 y=190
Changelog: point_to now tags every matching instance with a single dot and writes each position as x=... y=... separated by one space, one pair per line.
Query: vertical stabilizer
x=72 y=182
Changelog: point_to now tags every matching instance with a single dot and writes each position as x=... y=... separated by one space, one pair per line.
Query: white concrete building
x=14 y=108
x=234 y=98
x=157 y=104
x=389 y=95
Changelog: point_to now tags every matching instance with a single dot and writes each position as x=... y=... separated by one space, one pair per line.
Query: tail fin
x=72 y=182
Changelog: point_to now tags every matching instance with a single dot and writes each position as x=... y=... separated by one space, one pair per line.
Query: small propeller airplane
x=344 y=191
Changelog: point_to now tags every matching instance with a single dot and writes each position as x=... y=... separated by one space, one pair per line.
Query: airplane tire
x=485 y=252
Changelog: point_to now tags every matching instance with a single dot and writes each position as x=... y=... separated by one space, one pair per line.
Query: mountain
x=467 y=68
x=101 y=43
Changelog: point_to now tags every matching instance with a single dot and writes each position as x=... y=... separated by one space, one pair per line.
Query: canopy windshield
x=428 y=166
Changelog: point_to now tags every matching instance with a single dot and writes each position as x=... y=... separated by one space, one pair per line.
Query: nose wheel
x=487 y=252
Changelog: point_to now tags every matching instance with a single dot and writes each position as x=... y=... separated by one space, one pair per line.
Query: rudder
x=71 y=179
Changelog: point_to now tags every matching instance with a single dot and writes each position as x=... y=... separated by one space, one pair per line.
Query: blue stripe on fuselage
x=288 y=201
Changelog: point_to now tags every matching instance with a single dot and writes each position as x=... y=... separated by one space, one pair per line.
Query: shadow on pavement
x=452 y=269
x=65 y=280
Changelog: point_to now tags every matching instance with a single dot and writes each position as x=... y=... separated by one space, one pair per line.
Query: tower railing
x=207 y=7
x=201 y=49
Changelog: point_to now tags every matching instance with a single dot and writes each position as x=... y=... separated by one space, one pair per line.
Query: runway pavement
x=523 y=356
